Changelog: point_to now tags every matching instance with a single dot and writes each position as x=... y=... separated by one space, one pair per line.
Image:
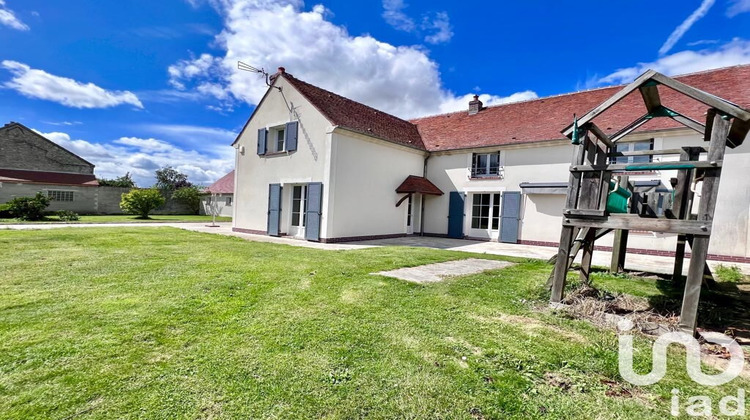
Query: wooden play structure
x=600 y=196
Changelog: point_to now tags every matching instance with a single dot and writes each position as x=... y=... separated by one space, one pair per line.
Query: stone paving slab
x=433 y=273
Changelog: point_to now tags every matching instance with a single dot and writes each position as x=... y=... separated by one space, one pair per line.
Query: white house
x=218 y=198
x=315 y=165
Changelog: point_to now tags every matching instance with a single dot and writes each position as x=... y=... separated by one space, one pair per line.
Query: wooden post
x=681 y=206
x=588 y=253
x=566 y=235
x=717 y=126
x=620 y=243
x=561 y=265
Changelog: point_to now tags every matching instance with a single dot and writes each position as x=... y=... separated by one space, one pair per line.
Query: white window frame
x=272 y=141
x=50 y=194
x=488 y=167
x=630 y=148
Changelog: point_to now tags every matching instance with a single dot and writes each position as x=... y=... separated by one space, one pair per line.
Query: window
x=634 y=146
x=408 y=212
x=299 y=205
x=57 y=195
x=485 y=209
x=485 y=165
x=277 y=139
x=228 y=201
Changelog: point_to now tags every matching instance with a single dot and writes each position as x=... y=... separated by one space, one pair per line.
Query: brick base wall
x=713 y=257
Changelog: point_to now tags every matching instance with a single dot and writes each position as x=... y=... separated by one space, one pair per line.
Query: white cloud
x=8 y=18
x=733 y=53
x=738 y=6
x=39 y=84
x=461 y=103
x=141 y=157
x=441 y=23
x=437 y=24
x=402 y=80
x=394 y=15
x=686 y=25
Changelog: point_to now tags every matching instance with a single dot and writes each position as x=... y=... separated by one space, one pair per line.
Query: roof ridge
x=344 y=97
x=621 y=85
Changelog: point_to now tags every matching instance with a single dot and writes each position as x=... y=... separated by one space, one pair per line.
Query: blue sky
x=135 y=85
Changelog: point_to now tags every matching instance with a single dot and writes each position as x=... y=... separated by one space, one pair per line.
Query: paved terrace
x=638 y=262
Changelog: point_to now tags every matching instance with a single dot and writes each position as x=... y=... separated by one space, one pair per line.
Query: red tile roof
x=542 y=119
x=225 y=185
x=358 y=117
x=38 y=177
x=418 y=184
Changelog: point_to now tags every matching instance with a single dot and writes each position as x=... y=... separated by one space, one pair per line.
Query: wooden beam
x=650 y=166
x=691 y=297
x=643 y=119
x=604 y=138
x=635 y=222
x=690 y=123
x=701 y=96
x=650 y=94
x=662 y=152
x=617 y=97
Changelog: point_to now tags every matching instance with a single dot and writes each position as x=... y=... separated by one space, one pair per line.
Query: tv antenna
x=247 y=67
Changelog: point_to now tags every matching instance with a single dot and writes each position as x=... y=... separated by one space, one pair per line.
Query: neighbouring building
x=219 y=197
x=315 y=165
x=30 y=163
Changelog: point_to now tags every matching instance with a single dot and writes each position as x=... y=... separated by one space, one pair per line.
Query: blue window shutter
x=290 y=136
x=456 y=215
x=262 y=137
x=314 y=211
x=274 y=209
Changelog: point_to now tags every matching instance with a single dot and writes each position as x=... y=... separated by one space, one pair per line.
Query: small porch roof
x=418 y=184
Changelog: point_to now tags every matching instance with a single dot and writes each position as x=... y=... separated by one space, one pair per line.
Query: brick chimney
x=475 y=105
x=280 y=71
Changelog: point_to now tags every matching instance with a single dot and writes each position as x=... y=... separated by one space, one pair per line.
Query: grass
x=124 y=218
x=164 y=323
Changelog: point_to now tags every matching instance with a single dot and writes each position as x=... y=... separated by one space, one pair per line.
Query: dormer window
x=486 y=165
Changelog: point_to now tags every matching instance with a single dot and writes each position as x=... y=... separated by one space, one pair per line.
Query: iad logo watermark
x=697 y=405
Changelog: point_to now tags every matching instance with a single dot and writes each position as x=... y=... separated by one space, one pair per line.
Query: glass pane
x=495 y=164
x=495 y=211
x=297 y=192
x=477 y=199
x=295 y=219
x=481 y=165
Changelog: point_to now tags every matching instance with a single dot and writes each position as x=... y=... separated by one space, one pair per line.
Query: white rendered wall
x=307 y=164
x=364 y=176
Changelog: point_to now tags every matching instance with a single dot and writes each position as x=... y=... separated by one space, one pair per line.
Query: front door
x=485 y=215
x=299 y=208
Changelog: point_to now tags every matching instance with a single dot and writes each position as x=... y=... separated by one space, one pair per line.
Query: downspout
x=422 y=200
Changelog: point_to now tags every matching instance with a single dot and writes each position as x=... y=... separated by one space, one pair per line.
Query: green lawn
x=127 y=218
x=164 y=323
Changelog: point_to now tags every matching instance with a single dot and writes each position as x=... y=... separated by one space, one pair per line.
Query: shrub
x=67 y=216
x=5 y=211
x=190 y=196
x=731 y=273
x=29 y=208
x=141 y=202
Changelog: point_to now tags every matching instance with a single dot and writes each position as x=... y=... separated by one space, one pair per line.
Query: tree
x=190 y=196
x=169 y=180
x=141 y=202
x=125 y=181
x=29 y=208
